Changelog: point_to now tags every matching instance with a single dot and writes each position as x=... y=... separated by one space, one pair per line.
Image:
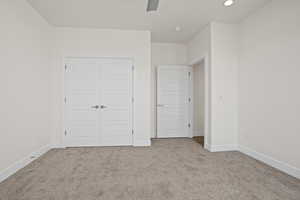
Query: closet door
x=99 y=102
x=173 y=101
x=81 y=111
x=116 y=99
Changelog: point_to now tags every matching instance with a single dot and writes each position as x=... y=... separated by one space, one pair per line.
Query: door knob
x=96 y=107
x=103 y=107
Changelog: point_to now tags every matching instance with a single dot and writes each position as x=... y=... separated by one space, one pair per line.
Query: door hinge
x=66 y=67
x=190 y=99
x=189 y=74
x=132 y=131
x=66 y=133
x=189 y=125
x=65 y=99
x=132 y=67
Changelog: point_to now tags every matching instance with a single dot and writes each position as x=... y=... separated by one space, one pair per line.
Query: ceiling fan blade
x=152 y=5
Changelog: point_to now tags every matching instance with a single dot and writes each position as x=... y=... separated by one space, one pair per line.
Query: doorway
x=199 y=102
x=98 y=102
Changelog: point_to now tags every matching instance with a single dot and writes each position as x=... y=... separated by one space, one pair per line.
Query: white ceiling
x=190 y=15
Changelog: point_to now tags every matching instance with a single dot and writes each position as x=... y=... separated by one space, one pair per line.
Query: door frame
x=64 y=93
x=190 y=94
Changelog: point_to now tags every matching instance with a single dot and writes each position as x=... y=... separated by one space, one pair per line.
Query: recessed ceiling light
x=178 y=28
x=228 y=3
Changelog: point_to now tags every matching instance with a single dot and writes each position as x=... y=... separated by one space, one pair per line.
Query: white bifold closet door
x=173 y=99
x=99 y=106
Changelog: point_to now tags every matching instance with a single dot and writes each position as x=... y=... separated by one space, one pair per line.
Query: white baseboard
x=142 y=143
x=220 y=148
x=291 y=170
x=23 y=162
x=58 y=146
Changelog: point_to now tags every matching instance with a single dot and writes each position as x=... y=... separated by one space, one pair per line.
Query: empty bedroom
x=149 y=100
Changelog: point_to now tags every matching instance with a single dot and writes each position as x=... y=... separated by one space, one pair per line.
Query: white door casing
x=98 y=106
x=173 y=101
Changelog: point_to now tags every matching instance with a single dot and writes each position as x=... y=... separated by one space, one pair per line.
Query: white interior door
x=116 y=100
x=81 y=118
x=98 y=102
x=173 y=99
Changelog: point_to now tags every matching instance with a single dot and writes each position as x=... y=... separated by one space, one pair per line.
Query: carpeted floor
x=177 y=169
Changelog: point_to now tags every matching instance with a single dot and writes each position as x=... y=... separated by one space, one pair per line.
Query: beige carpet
x=177 y=169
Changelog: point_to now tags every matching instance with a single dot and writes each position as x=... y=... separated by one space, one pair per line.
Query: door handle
x=160 y=105
x=103 y=107
x=95 y=107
